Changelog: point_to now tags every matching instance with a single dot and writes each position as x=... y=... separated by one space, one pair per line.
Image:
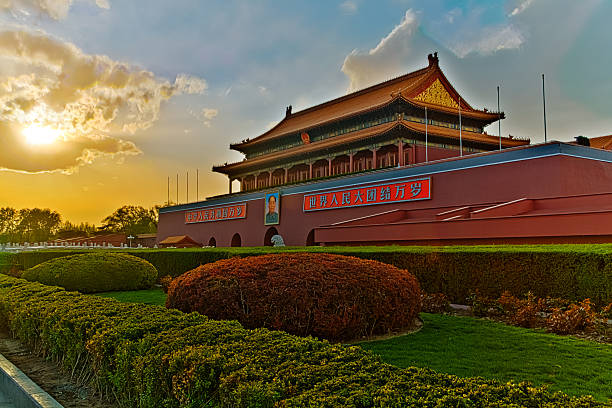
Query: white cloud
x=383 y=60
x=488 y=41
x=209 y=114
x=263 y=90
x=56 y=9
x=521 y=6
x=452 y=15
x=190 y=84
x=103 y=4
x=86 y=97
x=206 y=115
x=348 y=7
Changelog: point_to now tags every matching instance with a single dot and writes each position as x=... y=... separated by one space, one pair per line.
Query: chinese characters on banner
x=411 y=190
x=226 y=212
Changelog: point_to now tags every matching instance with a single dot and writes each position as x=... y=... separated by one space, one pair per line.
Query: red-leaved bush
x=329 y=296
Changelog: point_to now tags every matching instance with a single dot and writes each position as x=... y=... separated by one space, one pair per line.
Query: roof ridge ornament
x=433 y=59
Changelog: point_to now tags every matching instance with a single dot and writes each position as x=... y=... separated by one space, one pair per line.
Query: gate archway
x=269 y=234
x=236 y=240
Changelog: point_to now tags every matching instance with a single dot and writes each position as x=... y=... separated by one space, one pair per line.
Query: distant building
x=405 y=161
x=145 y=240
x=179 y=241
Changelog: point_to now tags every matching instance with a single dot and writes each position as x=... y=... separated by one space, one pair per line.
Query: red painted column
x=230 y=185
x=329 y=167
x=256 y=181
x=286 y=174
x=400 y=151
x=270 y=179
x=350 y=162
x=310 y=170
x=374 y=164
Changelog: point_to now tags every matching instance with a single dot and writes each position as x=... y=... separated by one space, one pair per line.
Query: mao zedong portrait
x=272 y=208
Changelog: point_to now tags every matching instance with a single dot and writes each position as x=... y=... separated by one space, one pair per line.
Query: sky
x=101 y=101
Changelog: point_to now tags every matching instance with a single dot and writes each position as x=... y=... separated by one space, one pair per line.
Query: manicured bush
x=574 y=319
x=95 y=272
x=329 y=296
x=434 y=303
x=148 y=356
x=573 y=272
x=165 y=282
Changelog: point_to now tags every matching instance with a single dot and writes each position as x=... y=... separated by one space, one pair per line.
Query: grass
x=471 y=347
x=154 y=296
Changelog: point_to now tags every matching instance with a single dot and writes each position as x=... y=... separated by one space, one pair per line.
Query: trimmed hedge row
x=574 y=272
x=147 y=356
x=94 y=272
x=335 y=297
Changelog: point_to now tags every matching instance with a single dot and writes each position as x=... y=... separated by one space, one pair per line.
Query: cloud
x=206 y=115
x=488 y=40
x=87 y=97
x=383 y=60
x=521 y=6
x=64 y=156
x=348 y=7
x=56 y=9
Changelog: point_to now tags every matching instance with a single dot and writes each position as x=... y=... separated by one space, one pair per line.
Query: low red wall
x=535 y=178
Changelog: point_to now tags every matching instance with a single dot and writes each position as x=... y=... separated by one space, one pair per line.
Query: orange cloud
x=86 y=97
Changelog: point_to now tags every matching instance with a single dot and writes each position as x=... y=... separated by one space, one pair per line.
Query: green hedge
x=574 y=272
x=94 y=272
x=148 y=356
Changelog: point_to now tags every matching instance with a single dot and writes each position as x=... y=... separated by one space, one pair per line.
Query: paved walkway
x=4 y=401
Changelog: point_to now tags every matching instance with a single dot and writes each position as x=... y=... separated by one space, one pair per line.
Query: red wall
x=534 y=178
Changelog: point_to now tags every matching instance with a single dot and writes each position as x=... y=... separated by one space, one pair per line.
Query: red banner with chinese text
x=411 y=190
x=223 y=213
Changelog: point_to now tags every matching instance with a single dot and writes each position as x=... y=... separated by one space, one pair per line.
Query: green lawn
x=471 y=347
x=154 y=296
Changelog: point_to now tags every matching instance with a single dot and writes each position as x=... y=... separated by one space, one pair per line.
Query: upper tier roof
x=377 y=130
x=601 y=142
x=427 y=87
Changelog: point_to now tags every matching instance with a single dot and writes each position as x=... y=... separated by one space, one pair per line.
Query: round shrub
x=95 y=272
x=329 y=296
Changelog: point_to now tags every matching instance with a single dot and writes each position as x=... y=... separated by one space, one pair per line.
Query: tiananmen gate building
x=406 y=161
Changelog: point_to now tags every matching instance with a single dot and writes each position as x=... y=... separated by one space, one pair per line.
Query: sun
x=40 y=135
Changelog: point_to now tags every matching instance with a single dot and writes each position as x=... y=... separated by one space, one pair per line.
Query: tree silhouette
x=131 y=219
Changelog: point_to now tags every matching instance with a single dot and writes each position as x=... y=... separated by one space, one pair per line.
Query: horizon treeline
x=44 y=224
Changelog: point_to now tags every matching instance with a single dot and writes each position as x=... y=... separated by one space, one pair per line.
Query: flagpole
x=499 y=118
x=426 y=157
x=460 y=139
x=544 y=103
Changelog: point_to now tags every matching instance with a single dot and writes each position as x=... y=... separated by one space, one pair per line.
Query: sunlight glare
x=40 y=135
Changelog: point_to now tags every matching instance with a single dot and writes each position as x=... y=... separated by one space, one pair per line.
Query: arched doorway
x=212 y=242
x=310 y=238
x=269 y=234
x=236 y=240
